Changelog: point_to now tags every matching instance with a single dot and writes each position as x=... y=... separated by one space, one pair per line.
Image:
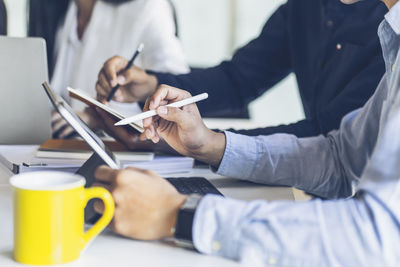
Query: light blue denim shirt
x=356 y=167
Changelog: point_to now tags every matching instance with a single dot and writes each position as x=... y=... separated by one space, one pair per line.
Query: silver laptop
x=24 y=107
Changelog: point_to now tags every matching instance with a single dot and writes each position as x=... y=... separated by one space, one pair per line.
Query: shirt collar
x=393 y=18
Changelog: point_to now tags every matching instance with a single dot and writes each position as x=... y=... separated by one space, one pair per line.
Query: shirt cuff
x=240 y=157
x=213 y=234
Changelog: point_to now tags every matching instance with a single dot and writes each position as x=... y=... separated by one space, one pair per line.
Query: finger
x=112 y=67
x=149 y=132
x=101 y=93
x=143 y=137
x=98 y=206
x=68 y=130
x=55 y=118
x=104 y=82
x=59 y=126
x=156 y=137
x=105 y=174
x=119 y=133
x=167 y=93
x=182 y=118
x=109 y=187
x=147 y=122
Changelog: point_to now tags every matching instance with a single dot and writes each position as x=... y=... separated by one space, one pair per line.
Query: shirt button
x=216 y=246
x=393 y=67
x=272 y=261
x=338 y=46
x=329 y=23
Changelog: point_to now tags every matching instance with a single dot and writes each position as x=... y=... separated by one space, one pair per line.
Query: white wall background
x=210 y=31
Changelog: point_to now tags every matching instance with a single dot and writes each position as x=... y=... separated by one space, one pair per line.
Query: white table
x=109 y=249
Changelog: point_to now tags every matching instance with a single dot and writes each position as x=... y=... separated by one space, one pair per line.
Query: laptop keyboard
x=193 y=185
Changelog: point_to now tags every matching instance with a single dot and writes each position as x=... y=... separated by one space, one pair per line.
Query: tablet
x=101 y=155
x=62 y=107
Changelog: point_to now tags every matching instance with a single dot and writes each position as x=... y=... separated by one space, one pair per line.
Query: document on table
x=24 y=158
x=160 y=164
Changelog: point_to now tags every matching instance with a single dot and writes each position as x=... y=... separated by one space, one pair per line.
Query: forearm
x=310 y=164
x=333 y=232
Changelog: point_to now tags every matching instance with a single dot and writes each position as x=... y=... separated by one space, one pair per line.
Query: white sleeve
x=164 y=52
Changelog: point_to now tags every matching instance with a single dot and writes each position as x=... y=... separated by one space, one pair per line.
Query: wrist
x=176 y=204
x=183 y=232
x=213 y=149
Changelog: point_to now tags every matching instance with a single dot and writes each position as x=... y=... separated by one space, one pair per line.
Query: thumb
x=180 y=117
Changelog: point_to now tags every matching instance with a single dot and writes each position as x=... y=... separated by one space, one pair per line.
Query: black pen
x=130 y=63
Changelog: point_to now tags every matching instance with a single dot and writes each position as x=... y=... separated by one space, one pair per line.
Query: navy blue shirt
x=332 y=48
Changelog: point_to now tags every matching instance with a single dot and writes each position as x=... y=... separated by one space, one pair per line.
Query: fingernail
x=162 y=110
x=113 y=83
x=121 y=79
x=148 y=134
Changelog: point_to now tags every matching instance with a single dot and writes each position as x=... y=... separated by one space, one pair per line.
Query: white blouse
x=115 y=30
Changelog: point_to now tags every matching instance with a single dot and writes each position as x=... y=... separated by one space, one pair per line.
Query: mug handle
x=105 y=196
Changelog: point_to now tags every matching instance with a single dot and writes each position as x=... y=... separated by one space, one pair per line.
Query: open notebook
x=83 y=97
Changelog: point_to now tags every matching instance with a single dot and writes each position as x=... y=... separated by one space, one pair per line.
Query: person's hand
x=182 y=128
x=135 y=84
x=61 y=129
x=146 y=205
x=128 y=136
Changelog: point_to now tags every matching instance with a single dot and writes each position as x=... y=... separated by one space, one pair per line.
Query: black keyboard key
x=193 y=185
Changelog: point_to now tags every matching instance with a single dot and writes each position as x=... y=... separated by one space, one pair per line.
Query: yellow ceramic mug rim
x=47 y=181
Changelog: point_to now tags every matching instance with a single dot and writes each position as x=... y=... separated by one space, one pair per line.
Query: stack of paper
x=22 y=159
x=164 y=164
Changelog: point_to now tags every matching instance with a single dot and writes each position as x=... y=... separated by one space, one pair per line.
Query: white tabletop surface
x=109 y=249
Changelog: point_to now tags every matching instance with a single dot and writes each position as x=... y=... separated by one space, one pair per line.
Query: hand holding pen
x=127 y=67
x=135 y=83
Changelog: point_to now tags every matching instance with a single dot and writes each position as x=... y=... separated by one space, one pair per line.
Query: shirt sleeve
x=164 y=51
x=253 y=69
x=302 y=128
x=328 y=167
x=359 y=231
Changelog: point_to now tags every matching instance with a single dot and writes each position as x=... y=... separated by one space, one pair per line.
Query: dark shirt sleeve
x=303 y=128
x=253 y=69
x=329 y=118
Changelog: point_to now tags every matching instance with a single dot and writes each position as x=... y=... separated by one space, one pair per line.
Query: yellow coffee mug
x=49 y=217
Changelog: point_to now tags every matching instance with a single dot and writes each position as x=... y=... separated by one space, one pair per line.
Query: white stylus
x=152 y=113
